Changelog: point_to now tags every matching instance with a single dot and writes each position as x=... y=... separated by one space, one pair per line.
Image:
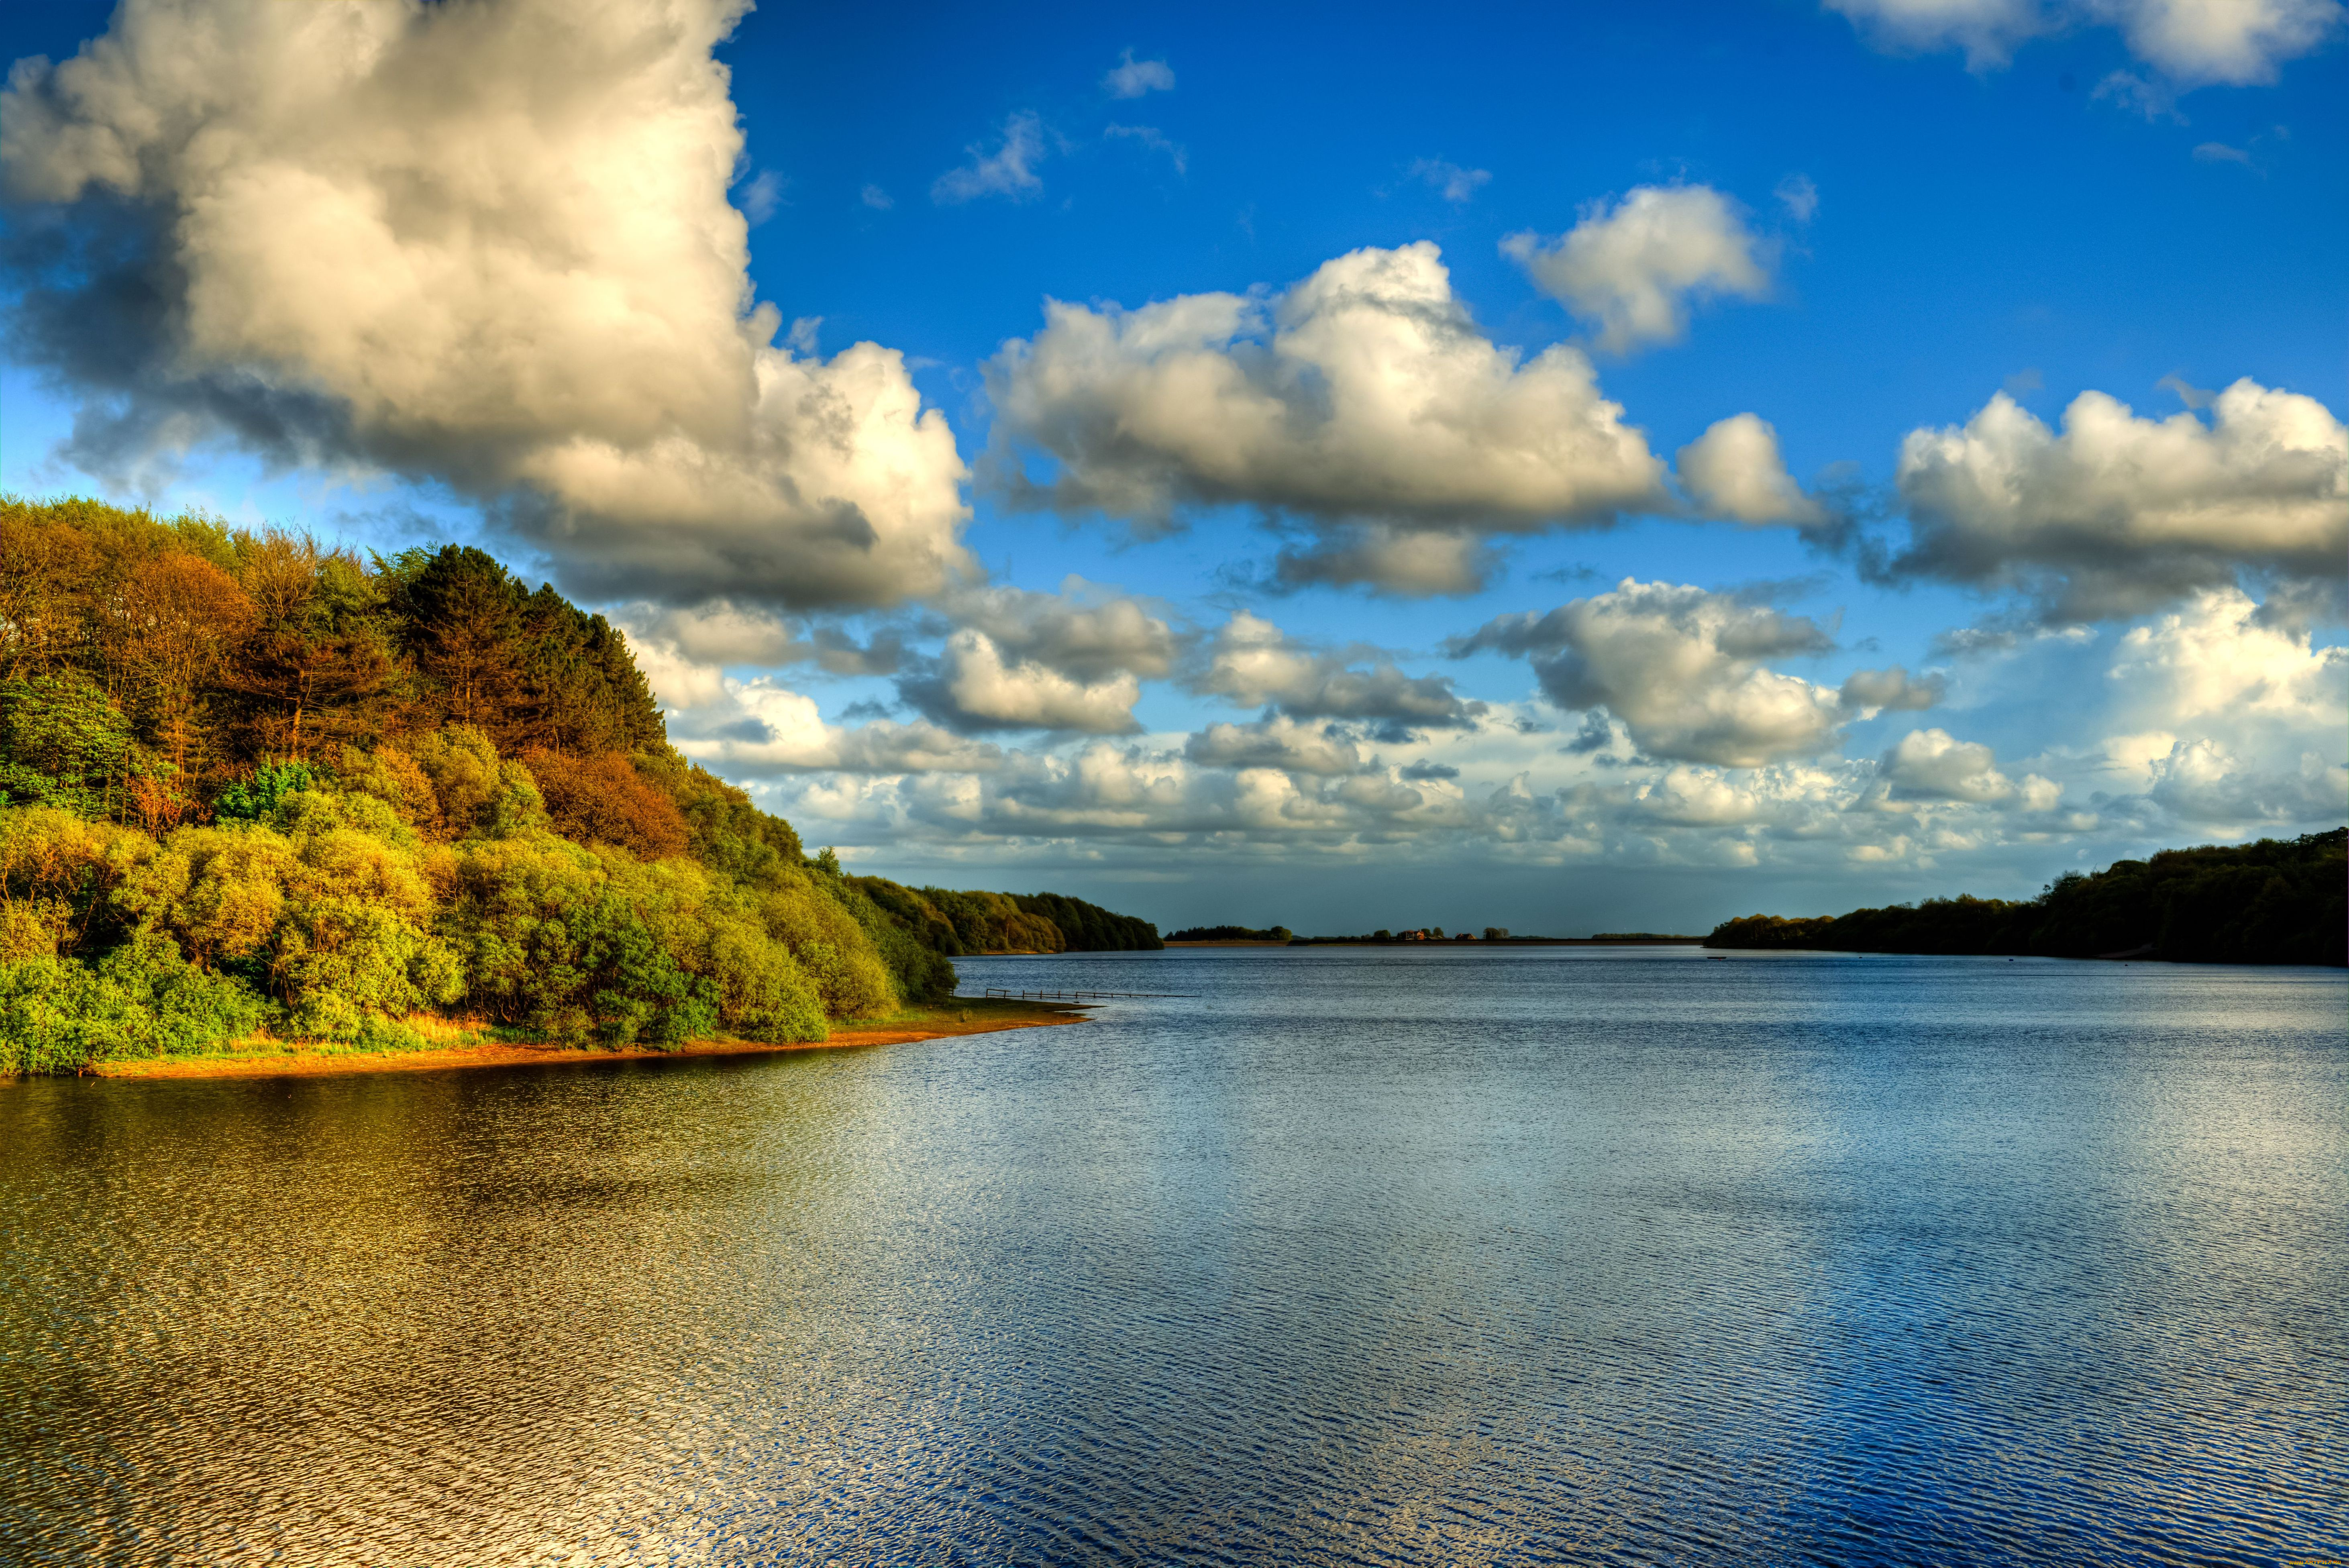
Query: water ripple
x=1355 y=1257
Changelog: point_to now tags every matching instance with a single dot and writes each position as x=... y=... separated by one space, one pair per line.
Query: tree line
x=250 y=783
x=1231 y=934
x=2278 y=901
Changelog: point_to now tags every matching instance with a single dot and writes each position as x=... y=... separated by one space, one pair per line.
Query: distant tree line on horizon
x=2278 y=901
x=250 y=785
x=1230 y=934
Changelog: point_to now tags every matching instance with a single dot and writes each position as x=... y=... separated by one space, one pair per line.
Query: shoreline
x=979 y=1015
x=1485 y=942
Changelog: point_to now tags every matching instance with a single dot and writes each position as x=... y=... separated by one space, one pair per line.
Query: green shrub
x=250 y=800
x=61 y=1015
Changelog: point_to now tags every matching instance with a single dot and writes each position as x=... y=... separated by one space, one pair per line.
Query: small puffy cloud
x=880 y=201
x=1363 y=402
x=2191 y=42
x=1733 y=472
x=1254 y=663
x=484 y=246
x=1276 y=741
x=1866 y=693
x=1934 y=765
x=2118 y=515
x=1631 y=270
x=1130 y=78
x=1680 y=667
x=974 y=688
x=1083 y=631
x=1008 y=170
x=1455 y=184
x=2233 y=41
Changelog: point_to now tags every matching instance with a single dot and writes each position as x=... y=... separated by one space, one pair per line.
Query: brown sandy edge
x=984 y=1019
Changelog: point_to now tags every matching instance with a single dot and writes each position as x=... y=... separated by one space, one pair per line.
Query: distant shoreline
x=1456 y=942
x=979 y=1016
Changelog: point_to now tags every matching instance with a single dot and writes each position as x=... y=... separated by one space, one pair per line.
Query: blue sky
x=1864 y=225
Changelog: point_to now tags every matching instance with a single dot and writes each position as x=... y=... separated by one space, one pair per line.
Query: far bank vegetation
x=2278 y=901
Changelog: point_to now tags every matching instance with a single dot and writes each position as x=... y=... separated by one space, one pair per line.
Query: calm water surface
x=1351 y=1255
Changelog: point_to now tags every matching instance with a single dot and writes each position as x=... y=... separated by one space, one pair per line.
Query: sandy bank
x=962 y=1017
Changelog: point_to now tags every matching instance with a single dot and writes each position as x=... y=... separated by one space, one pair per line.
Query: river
x=1360 y=1255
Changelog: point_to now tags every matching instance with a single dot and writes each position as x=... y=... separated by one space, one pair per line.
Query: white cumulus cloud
x=1682 y=667
x=1734 y=470
x=1364 y=395
x=1083 y=631
x=1254 y=663
x=1934 y=765
x=2190 y=41
x=488 y=245
x=2201 y=781
x=2217 y=657
x=2118 y=514
x=1632 y=269
x=757 y=728
x=1278 y=741
x=976 y=687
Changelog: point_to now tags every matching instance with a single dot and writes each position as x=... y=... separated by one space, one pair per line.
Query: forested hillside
x=252 y=784
x=2279 y=900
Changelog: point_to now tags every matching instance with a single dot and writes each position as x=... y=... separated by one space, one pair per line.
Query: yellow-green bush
x=831 y=947
x=333 y=902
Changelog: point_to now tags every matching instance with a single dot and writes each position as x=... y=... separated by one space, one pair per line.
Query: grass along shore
x=457 y=1044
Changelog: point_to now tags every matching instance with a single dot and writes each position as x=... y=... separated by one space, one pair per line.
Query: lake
x=1360 y=1255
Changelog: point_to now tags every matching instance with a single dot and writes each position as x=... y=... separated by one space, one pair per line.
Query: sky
x=1563 y=467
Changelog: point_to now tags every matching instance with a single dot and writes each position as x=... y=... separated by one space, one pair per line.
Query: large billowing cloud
x=1682 y=667
x=2190 y=41
x=1252 y=662
x=2201 y=782
x=1362 y=403
x=2215 y=659
x=2118 y=515
x=484 y=244
x=1631 y=270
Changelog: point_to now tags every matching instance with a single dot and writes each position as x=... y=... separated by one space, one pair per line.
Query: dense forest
x=251 y=785
x=2279 y=900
